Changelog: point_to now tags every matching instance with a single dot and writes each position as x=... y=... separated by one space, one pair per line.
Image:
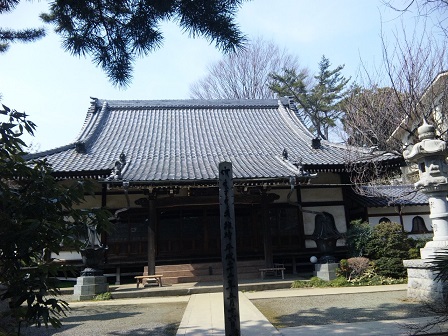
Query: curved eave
x=281 y=181
x=87 y=174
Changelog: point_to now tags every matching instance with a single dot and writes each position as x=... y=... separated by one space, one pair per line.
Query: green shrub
x=390 y=267
x=369 y=278
x=317 y=282
x=339 y=282
x=388 y=246
x=103 y=296
x=358 y=235
x=416 y=245
x=343 y=269
x=313 y=282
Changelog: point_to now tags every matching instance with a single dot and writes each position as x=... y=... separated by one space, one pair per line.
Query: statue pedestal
x=326 y=271
x=431 y=247
x=88 y=286
x=422 y=285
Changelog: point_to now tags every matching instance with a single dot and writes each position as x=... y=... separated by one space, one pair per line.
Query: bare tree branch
x=245 y=73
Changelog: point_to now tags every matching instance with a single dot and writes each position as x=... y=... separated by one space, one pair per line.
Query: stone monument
x=326 y=236
x=430 y=156
x=92 y=281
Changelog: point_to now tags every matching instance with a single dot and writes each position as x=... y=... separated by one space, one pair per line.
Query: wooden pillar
x=104 y=235
x=152 y=237
x=400 y=213
x=104 y=195
x=267 y=239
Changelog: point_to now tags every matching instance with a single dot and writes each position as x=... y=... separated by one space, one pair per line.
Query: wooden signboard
x=228 y=250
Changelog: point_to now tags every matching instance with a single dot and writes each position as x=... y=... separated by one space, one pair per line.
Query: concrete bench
x=157 y=277
x=274 y=270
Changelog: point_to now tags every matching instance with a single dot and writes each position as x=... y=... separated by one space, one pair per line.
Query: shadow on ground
x=142 y=319
x=349 y=308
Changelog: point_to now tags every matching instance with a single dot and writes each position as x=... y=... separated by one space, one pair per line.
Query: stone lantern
x=430 y=156
x=92 y=281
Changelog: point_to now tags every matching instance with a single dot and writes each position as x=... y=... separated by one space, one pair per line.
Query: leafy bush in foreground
x=368 y=279
x=388 y=247
x=358 y=235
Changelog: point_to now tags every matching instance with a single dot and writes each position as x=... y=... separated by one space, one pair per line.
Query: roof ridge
x=32 y=156
x=95 y=115
x=179 y=103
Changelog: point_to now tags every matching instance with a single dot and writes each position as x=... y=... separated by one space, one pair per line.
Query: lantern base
x=87 y=287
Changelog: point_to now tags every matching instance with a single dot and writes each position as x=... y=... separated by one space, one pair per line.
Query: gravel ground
x=150 y=319
x=157 y=319
x=346 y=308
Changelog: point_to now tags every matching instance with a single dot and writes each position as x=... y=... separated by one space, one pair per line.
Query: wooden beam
x=210 y=200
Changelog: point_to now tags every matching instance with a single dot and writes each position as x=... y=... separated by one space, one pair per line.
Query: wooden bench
x=274 y=270
x=157 y=277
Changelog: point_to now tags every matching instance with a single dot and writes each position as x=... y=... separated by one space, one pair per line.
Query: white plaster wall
x=119 y=201
x=415 y=209
x=321 y=194
x=408 y=213
x=375 y=220
x=67 y=255
x=407 y=221
x=381 y=211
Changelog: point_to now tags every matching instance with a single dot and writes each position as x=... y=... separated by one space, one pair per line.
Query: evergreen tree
x=8 y=36
x=115 y=32
x=317 y=100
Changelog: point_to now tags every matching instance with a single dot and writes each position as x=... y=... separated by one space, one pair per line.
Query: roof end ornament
x=315 y=143
x=116 y=173
x=80 y=147
x=94 y=105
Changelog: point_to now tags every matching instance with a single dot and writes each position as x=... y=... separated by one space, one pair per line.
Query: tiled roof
x=184 y=140
x=381 y=196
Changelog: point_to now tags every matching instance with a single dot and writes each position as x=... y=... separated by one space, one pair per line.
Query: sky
x=53 y=87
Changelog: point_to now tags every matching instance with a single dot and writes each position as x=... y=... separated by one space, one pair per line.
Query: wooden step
x=206 y=278
x=205 y=272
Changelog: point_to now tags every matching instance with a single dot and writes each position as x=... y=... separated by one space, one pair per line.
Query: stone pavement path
x=205 y=316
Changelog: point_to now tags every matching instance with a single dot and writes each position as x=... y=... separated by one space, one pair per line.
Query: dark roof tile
x=176 y=140
x=382 y=196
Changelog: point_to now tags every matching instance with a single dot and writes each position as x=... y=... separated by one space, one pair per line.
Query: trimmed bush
x=416 y=245
x=388 y=246
x=358 y=235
